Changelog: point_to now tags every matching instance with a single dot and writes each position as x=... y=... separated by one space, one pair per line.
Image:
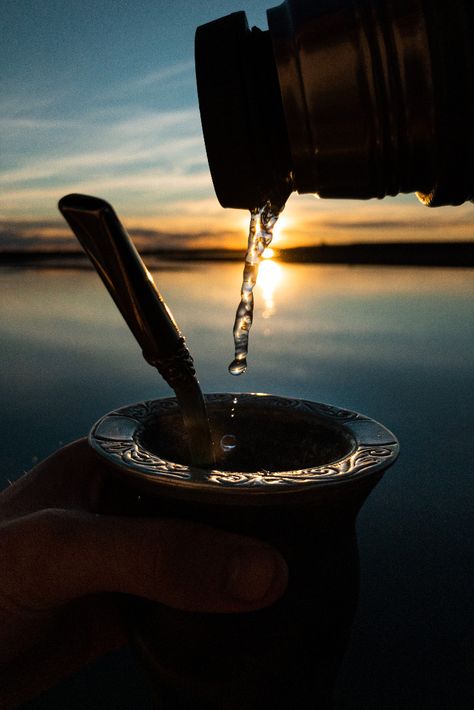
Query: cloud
x=41 y=142
x=141 y=123
x=149 y=161
x=396 y=224
x=53 y=236
x=403 y=218
x=141 y=190
x=137 y=157
x=154 y=78
x=42 y=235
x=14 y=105
x=202 y=223
x=133 y=153
x=18 y=125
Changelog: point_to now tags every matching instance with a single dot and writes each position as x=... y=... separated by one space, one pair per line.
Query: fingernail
x=255 y=573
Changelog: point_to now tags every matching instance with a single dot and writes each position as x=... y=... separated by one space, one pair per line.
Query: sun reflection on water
x=270 y=277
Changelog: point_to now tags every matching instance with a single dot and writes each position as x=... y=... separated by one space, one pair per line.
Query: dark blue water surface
x=394 y=343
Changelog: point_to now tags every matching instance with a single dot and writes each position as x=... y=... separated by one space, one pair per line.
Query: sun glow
x=278 y=229
x=270 y=275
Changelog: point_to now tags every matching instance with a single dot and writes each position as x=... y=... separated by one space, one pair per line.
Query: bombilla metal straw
x=109 y=247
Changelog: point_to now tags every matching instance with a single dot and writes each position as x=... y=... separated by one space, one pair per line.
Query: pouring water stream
x=262 y=222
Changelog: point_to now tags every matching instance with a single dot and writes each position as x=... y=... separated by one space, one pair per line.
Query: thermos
x=342 y=98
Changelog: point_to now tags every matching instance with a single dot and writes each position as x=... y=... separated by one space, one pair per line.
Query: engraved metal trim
x=117 y=437
x=362 y=459
x=176 y=368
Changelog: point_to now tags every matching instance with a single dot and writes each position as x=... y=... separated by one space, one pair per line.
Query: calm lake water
x=394 y=343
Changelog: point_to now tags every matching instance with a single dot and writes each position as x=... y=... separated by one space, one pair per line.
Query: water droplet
x=228 y=442
x=238 y=366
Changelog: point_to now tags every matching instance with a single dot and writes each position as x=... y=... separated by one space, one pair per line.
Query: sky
x=100 y=98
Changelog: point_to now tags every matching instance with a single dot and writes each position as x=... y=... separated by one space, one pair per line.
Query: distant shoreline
x=452 y=254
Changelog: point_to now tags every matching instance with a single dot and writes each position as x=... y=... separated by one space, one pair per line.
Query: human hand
x=64 y=570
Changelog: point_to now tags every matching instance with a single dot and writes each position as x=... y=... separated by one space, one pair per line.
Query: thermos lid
x=241 y=113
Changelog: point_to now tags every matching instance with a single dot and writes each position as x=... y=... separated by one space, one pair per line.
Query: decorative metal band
x=135 y=456
x=176 y=368
x=361 y=460
x=117 y=437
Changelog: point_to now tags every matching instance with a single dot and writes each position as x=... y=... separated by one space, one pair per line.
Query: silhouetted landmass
x=459 y=254
x=393 y=254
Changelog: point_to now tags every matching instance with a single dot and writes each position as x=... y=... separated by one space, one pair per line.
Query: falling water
x=262 y=222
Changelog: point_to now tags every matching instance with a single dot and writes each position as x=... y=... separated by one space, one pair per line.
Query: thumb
x=182 y=564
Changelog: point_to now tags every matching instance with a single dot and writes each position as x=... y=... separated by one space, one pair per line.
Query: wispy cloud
x=188 y=149
x=203 y=223
x=161 y=183
x=54 y=236
x=148 y=159
x=34 y=234
x=15 y=125
x=142 y=123
x=402 y=218
x=22 y=103
x=155 y=78
x=134 y=155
